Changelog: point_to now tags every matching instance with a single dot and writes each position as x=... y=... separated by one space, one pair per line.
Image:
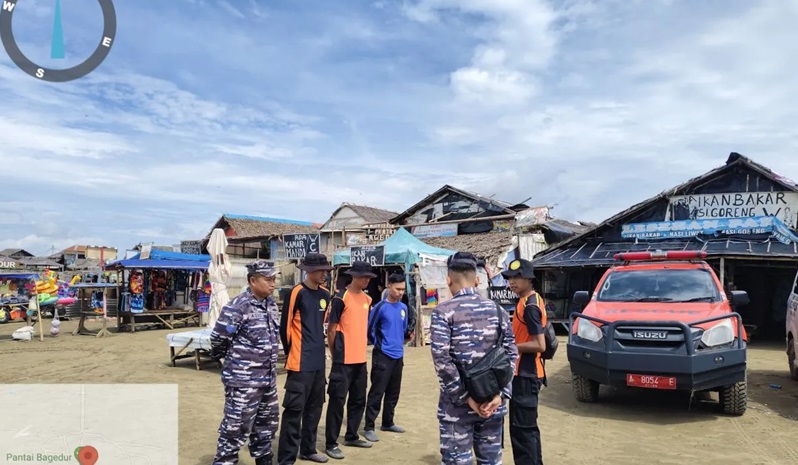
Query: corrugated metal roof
x=601 y=254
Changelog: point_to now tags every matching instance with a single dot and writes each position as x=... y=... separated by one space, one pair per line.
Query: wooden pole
x=420 y=339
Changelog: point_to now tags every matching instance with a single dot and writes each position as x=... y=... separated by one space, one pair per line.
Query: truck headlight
x=718 y=335
x=587 y=330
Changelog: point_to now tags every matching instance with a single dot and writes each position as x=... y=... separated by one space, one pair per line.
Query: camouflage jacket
x=463 y=329
x=247 y=336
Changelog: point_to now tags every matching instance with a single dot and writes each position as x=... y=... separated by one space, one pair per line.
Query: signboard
x=374 y=255
x=727 y=226
x=8 y=263
x=299 y=245
x=435 y=230
x=782 y=205
x=380 y=232
x=191 y=247
x=146 y=250
x=503 y=296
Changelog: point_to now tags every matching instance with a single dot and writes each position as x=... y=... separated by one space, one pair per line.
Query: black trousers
x=351 y=380
x=386 y=380
x=524 y=431
x=302 y=404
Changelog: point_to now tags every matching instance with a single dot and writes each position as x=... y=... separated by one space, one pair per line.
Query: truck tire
x=4 y=315
x=734 y=398
x=791 y=359
x=585 y=390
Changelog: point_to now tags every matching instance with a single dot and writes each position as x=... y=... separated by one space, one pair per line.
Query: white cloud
x=590 y=105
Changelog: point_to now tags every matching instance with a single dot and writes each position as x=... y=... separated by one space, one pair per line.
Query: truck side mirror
x=581 y=298
x=739 y=298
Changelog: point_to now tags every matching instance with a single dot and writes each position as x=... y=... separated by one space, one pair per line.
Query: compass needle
x=57 y=46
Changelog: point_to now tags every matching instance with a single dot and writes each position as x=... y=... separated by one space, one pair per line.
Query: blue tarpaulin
x=165 y=255
x=19 y=276
x=402 y=248
x=710 y=227
x=159 y=264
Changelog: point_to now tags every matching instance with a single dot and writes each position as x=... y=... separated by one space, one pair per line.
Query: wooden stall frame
x=81 y=329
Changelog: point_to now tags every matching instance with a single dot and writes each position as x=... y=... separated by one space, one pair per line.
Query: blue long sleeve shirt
x=387 y=326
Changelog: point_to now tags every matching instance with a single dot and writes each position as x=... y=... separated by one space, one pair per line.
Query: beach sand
x=627 y=427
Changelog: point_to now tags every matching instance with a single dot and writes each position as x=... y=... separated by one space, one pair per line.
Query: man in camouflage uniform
x=246 y=335
x=463 y=329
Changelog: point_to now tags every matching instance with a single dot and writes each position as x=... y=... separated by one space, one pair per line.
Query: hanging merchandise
x=97 y=301
x=136 y=292
x=55 y=324
x=204 y=294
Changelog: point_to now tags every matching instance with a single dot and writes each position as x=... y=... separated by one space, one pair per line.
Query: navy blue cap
x=262 y=267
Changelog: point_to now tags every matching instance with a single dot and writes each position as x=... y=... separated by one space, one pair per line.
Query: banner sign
x=502 y=295
x=299 y=245
x=435 y=230
x=782 y=205
x=693 y=228
x=190 y=247
x=374 y=255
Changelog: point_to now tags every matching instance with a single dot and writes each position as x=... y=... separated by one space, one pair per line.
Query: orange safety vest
x=522 y=335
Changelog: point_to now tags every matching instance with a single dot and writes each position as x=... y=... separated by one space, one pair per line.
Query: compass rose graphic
x=57 y=49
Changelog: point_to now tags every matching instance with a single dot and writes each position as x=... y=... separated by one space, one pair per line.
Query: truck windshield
x=664 y=285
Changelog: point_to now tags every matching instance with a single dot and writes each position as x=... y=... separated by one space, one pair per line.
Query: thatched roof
x=486 y=245
x=241 y=228
x=371 y=215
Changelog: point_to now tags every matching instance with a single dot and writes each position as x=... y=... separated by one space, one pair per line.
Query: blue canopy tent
x=162 y=259
x=402 y=248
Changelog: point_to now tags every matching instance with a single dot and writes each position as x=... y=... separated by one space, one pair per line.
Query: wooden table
x=164 y=317
x=81 y=329
x=87 y=313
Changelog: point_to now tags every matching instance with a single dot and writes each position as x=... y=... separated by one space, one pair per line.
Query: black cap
x=462 y=261
x=360 y=269
x=315 y=262
x=520 y=267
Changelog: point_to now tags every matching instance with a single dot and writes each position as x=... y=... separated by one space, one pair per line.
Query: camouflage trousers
x=249 y=413
x=465 y=435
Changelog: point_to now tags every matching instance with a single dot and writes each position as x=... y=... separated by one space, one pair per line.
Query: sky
x=287 y=109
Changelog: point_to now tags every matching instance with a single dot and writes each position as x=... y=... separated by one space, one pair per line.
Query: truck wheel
x=4 y=316
x=585 y=390
x=791 y=359
x=734 y=398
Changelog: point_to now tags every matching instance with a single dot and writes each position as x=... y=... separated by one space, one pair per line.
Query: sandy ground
x=628 y=427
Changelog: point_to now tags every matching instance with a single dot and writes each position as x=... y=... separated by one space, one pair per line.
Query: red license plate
x=651 y=381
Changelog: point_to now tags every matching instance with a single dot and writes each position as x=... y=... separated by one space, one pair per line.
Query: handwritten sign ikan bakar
x=374 y=255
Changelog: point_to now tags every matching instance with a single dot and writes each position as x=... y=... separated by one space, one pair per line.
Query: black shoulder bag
x=486 y=378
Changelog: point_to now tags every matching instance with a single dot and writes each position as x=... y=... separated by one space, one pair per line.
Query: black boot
x=265 y=460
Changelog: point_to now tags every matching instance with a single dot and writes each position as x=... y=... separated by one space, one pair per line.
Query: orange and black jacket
x=528 y=322
x=302 y=328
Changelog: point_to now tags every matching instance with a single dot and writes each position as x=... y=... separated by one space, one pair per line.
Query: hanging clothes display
x=204 y=294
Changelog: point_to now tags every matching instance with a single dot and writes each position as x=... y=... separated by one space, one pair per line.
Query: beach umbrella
x=219 y=273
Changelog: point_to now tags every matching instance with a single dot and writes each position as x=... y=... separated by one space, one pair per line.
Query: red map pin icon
x=87 y=455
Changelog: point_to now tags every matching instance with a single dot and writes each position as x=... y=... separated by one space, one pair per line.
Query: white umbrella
x=219 y=273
